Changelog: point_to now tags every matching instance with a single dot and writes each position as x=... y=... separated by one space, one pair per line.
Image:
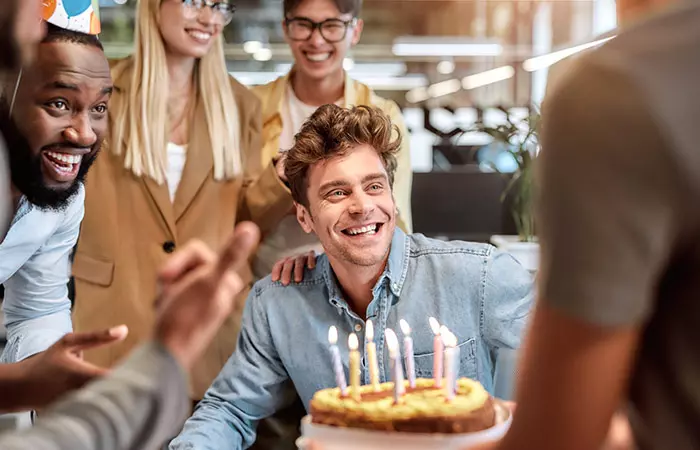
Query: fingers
x=192 y=256
x=77 y=342
x=287 y=270
x=311 y=260
x=299 y=266
x=239 y=248
x=277 y=270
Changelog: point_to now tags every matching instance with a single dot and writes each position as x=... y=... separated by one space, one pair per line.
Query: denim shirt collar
x=394 y=275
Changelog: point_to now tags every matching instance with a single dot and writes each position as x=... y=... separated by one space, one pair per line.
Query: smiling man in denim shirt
x=341 y=171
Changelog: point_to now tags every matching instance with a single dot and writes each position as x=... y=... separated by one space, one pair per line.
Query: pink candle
x=437 y=352
x=408 y=353
x=337 y=363
x=452 y=359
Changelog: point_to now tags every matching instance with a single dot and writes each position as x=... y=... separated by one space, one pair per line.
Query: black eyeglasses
x=332 y=30
x=222 y=10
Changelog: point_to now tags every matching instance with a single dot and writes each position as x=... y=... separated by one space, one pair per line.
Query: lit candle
x=354 y=367
x=337 y=363
x=396 y=367
x=437 y=352
x=372 y=356
x=408 y=353
x=451 y=357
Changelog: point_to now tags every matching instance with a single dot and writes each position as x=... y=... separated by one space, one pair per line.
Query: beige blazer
x=131 y=226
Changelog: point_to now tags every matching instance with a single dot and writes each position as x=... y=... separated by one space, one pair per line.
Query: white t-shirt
x=288 y=239
x=177 y=155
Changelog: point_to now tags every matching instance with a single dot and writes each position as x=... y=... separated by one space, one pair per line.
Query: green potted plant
x=521 y=141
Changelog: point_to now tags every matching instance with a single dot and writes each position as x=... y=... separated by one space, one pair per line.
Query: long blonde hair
x=139 y=119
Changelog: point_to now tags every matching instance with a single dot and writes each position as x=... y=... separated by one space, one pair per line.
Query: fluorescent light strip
x=384 y=83
x=544 y=61
x=444 y=46
x=489 y=77
x=444 y=88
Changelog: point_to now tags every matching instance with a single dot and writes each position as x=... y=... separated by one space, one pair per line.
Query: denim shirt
x=482 y=295
x=35 y=269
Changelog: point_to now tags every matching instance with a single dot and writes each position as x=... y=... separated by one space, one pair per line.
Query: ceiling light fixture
x=488 y=77
x=446 y=67
x=446 y=87
x=252 y=47
x=444 y=46
x=544 y=61
x=264 y=54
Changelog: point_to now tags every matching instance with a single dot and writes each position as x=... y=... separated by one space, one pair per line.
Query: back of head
x=344 y=6
x=332 y=131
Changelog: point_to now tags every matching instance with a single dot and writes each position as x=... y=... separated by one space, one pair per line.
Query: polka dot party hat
x=76 y=15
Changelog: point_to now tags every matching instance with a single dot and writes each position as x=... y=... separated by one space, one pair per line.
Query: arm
x=601 y=260
x=264 y=198
x=36 y=305
x=140 y=405
x=252 y=385
x=404 y=171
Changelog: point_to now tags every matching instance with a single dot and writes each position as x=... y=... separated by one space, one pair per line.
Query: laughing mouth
x=200 y=35
x=317 y=57
x=366 y=230
x=64 y=162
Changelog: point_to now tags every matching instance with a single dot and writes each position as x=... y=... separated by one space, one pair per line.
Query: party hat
x=76 y=15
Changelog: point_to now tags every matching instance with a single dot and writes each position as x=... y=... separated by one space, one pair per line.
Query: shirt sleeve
x=36 y=304
x=252 y=385
x=139 y=405
x=507 y=301
x=611 y=199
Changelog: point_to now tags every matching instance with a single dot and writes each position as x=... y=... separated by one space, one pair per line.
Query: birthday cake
x=422 y=409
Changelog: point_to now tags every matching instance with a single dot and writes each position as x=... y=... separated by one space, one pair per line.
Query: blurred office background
x=447 y=63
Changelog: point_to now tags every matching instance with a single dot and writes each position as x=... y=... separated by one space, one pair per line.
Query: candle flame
x=448 y=338
x=369 y=331
x=333 y=335
x=352 y=342
x=391 y=340
x=444 y=330
x=404 y=327
x=434 y=325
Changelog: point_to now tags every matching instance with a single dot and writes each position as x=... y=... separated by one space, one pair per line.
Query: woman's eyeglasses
x=332 y=30
x=222 y=11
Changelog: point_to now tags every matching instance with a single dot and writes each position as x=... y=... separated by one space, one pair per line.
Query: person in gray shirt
x=618 y=316
x=145 y=401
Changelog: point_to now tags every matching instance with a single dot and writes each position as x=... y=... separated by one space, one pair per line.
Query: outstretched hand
x=60 y=369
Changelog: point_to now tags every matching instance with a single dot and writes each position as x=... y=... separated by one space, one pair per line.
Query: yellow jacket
x=272 y=95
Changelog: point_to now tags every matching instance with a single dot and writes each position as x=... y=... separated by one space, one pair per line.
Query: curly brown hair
x=332 y=131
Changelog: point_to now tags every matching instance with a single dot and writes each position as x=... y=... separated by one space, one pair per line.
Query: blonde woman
x=180 y=165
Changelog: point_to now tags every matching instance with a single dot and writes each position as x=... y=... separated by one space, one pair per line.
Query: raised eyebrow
x=107 y=90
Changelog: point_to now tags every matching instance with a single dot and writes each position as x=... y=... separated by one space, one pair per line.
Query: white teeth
x=370 y=229
x=200 y=35
x=66 y=158
x=318 y=57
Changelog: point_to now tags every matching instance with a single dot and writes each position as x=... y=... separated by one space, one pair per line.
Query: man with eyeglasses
x=319 y=33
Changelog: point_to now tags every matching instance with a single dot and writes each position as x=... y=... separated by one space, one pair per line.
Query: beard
x=25 y=167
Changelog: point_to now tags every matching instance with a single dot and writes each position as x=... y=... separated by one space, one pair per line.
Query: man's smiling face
x=58 y=122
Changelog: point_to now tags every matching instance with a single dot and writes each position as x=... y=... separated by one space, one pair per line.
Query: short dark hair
x=58 y=34
x=344 y=6
x=332 y=131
